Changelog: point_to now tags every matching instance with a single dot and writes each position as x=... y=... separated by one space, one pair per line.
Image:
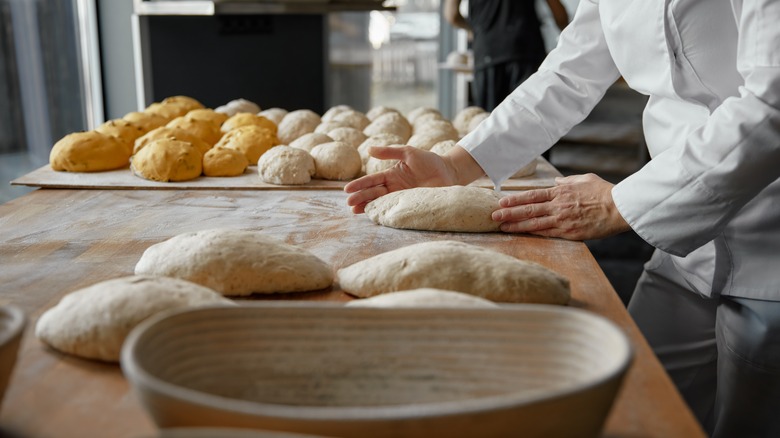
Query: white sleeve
x=569 y=83
x=686 y=195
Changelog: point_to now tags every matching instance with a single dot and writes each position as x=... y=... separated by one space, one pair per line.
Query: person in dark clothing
x=507 y=43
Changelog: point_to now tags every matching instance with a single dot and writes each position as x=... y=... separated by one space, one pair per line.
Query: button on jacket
x=710 y=196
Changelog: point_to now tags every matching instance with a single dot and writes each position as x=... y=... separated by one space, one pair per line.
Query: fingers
x=359 y=199
x=365 y=182
x=522 y=212
x=533 y=225
x=527 y=197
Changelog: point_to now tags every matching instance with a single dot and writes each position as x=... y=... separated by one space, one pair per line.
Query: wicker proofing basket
x=12 y=322
x=518 y=370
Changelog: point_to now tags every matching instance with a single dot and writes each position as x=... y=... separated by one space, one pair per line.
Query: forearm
x=463 y=166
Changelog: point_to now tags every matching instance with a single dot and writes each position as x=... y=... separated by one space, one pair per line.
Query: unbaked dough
x=247 y=119
x=168 y=160
x=236 y=262
x=476 y=120
x=186 y=102
x=166 y=133
x=222 y=161
x=453 y=208
x=424 y=297
x=238 y=106
x=442 y=147
x=308 y=141
x=421 y=110
x=527 y=170
x=89 y=151
x=377 y=111
x=202 y=129
x=325 y=127
x=376 y=165
x=439 y=126
x=124 y=131
x=208 y=115
x=463 y=118
x=273 y=114
x=353 y=119
x=426 y=140
x=390 y=123
x=93 y=322
x=147 y=121
x=286 y=165
x=455 y=266
x=377 y=140
x=336 y=161
x=333 y=111
x=297 y=123
x=252 y=140
x=350 y=136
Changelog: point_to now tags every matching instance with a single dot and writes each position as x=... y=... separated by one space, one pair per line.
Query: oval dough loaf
x=247 y=119
x=88 y=152
x=202 y=129
x=424 y=297
x=454 y=208
x=224 y=162
x=168 y=160
x=236 y=262
x=336 y=161
x=297 y=123
x=459 y=267
x=308 y=141
x=124 y=131
x=208 y=115
x=165 y=133
x=286 y=165
x=93 y=322
x=185 y=102
x=252 y=140
x=147 y=121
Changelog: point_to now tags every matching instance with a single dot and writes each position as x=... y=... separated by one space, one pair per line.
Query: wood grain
x=55 y=241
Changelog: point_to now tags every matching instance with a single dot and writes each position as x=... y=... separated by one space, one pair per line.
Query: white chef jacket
x=710 y=196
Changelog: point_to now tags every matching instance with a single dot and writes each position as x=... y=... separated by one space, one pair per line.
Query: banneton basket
x=517 y=370
x=12 y=322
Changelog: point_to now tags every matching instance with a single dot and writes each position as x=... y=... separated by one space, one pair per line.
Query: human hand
x=579 y=207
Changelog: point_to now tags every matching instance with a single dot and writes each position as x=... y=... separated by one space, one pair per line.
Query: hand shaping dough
x=252 y=140
x=236 y=262
x=425 y=297
x=223 y=161
x=286 y=165
x=88 y=152
x=376 y=165
x=93 y=322
x=335 y=161
x=454 y=208
x=168 y=160
x=455 y=266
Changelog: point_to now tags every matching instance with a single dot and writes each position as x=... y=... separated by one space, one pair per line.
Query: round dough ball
x=147 y=121
x=390 y=123
x=185 y=102
x=377 y=140
x=296 y=124
x=426 y=140
x=170 y=134
x=476 y=120
x=124 y=131
x=423 y=297
x=247 y=119
x=308 y=141
x=88 y=152
x=273 y=114
x=375 y=165
x=208 y=115
x=325 y=127
x=442 y=147
x=441 y=126
x=350 y=136
x=252 y=140
x=419 y=111
x=353 y=119
x=377 y=111
x=527 y=170
x=167 y=110
x=463 y=118
x=338 y=109
x=221 y=161
x=237 y=262
x=424 y=119
x=336 y=161
x=168 y=160
x=201 y=129
x=93 y=322
x=286 y=165
x=238 y=106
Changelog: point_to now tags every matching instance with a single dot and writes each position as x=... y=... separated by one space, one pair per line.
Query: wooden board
x=55 y=241
x=123 y=179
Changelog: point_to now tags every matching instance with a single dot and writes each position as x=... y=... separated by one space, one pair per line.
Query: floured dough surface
x=454 y=208
x=336 y=161
x=425 y=297
x=350 y=136
x=236 y=262
x=308 y=141
x=93 y=322
x=286 y=165
x=297 y=123
x=455 y=266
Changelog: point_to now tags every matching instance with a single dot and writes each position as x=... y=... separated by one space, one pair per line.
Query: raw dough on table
x=286 y=165
x=147 y=121
x=89 y=151
x=297 y=123
x=236 y=262
x=246 y=119
x=273 y=114
x=124 y=131
x=453 y=208
x=308 y=141
x=376 y=165
x=238 y=106
x=202 y=129
x=424 y=297
x=252 y=140
x=208 y=115
x=335 y=110
x=455 y=266
x=378 y=111
x=390 y=123
x=222 y=161
x=168 y=160
x=350 y=136
x=463 y=118
x=93 y=322
x=377 y=140
x=336 y=161
x=353 y=119
x=425 y=140
x=166 y=133
x=420 y=111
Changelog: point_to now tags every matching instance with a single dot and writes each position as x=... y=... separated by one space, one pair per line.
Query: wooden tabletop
x=55 y=241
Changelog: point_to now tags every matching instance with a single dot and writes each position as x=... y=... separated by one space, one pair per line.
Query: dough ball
x=353 y=119
x=273 y=114
x=308 y=141
x=201 y=129
x=168 y=160
x=476 y=120
x=325 y=127
x=377 y=111
x=93 y=322
x=463 y=118
x=350 y=136
x=208 y=115
x=247 y=119
x=377 y=140
x=424 y=297
x=171 y=134
x=238 y=106
x=124 y=131
x=426 y=140
x=88 y=152
x=423 y=120
x=147 y=121
x=186 y=102
x=221 y=161
x=336 y=161
x=390 y=123
x=439 y=126
x=459 y=267
x=237 y=262
x=296 y=124
x=442 y=147
x=252 y=140
x=527 y=170
x=375 y=165
x=333 y=111
x=167 y=110
x=419 y=111
x=286 y=165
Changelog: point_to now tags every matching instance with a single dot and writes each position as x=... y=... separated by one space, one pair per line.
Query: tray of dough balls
x=179 y=144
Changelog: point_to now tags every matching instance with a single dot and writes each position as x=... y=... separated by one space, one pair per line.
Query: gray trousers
x=723 y=353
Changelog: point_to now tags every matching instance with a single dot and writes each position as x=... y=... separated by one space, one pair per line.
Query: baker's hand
x=415 y=168
x=579 y=207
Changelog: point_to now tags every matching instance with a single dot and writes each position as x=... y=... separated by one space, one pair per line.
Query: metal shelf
x=241 y=7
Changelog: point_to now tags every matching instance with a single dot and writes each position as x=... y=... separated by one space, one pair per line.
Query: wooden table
x=55 y=241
